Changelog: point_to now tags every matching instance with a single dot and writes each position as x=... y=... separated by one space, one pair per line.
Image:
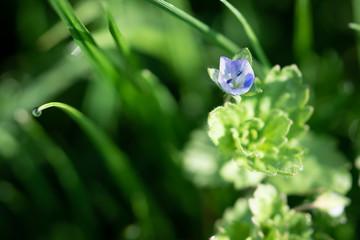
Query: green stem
x=356 y=25
x=250 y=34
x=216 y=37
x=303 y=37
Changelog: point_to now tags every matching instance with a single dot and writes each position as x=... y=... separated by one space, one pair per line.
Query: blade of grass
x=132 y=88
x=356 y=20
x=100 y=61
x=27 y=172
x=64 y=169
x=121 y=43
x=211 y=34
x=51 y=83
x=118 y=165
x=152 y=89
x=129 y=91
x=250 y=34
x=303 y=37
x=87 y=11
x=123 y=46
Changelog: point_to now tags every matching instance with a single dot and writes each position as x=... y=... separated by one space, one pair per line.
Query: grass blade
x=27 y=171
x=100 y=61
x=63 y=168
x=122 y=45
x=124 y=175
x=87 y=11
x=303 y=37
x=250 y=34
x=356 y=25
x=216 y=37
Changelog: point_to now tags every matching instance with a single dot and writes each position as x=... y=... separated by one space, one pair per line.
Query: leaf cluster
x=261 y=132
x=264 y=216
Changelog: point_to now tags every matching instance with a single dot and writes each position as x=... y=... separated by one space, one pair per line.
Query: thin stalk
x=356 y=20
x=250 y=34
x=120 y=42
x=303 y=36
x=304 y=207
x=216 y=37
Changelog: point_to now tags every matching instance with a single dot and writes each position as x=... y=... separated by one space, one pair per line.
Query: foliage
x=322 y=170
x=265 y=216
x=137 y=161
x=260 y=132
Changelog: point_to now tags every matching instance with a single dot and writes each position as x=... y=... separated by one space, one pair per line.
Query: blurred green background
x=55 y=184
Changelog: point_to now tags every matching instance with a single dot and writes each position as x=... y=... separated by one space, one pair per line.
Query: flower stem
x=250 y=34
x=216 y=37
x=304 y=207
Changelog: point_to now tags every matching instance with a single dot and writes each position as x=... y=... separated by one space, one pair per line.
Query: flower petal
x=227 y=67
x=234 y=77
x=249 y=80
x=223 y=84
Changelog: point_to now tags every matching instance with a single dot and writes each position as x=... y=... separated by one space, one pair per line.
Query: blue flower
x=234 y=77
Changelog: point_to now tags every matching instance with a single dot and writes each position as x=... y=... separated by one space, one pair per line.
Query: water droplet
x=36 y=112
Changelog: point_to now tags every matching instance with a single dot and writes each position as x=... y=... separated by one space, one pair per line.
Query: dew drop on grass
x=36 y=112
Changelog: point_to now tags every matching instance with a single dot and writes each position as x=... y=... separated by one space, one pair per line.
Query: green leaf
x=266 y=203
x=236 y=222
x=285 y=88
x=202 y=160
x=286 y=161
x=206 y=167
x=295 y=225
x=322 y=169
x=214 y=74
x=264 y=216
x=221 y=121
x=241 y=177
x=244 y=53
x=277 y=127
x=299 y=118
